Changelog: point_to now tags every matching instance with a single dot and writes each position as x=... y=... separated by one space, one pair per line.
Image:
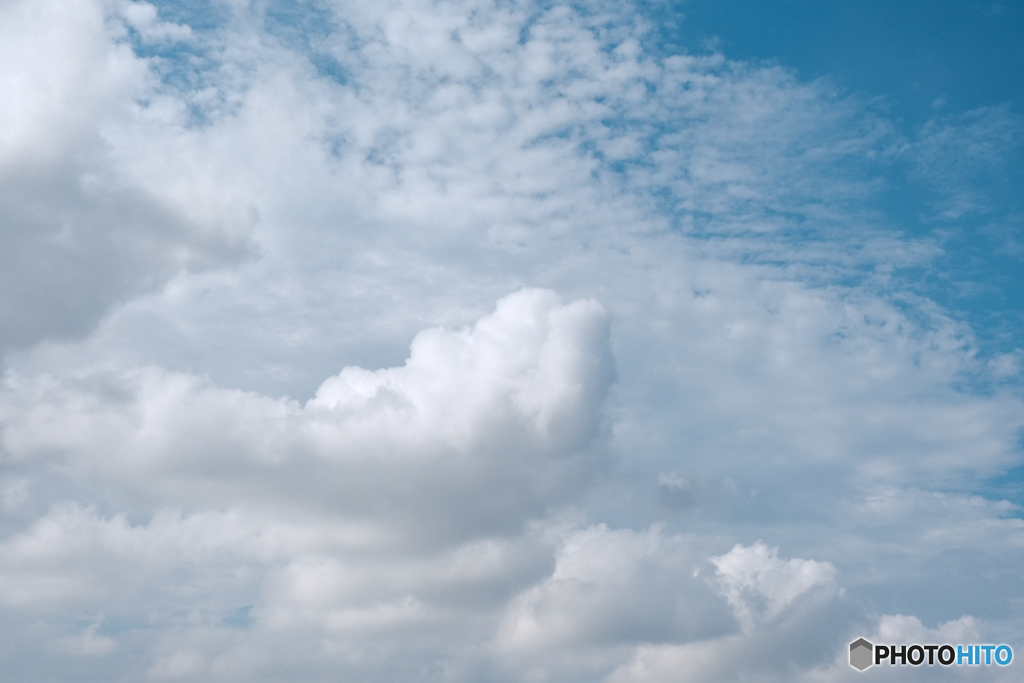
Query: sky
x=507 y=340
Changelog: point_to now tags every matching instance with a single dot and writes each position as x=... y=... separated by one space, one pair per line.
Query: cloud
x=208 y=209
x=610 y=591
x=143 y=18
x=787 y=611
x=392 y=501
x=898 y=629
x=759 y=585
x=481 y=429
x=81 y=230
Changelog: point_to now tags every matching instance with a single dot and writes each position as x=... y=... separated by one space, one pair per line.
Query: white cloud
x=610 y=591
x=760 y=586
x=482 y=428
x=393 y=501
x=143 y=18
x=80 y=230
x=899 y=629
x=215 y=227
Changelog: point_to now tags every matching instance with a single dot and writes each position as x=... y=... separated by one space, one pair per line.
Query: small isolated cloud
x=694 y=493
x=143 y=18
x=760 y=586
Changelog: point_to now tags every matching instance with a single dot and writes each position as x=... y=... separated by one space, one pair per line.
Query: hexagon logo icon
x=861 y=652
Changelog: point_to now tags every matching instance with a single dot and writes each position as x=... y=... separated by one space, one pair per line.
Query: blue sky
x=507 y=340
x=917 y=62
x=918 y=56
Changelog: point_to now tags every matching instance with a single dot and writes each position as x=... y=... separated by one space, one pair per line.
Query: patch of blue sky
x=916 y=54
x=240 y=618
x=977 y=283
x=187 y=66
x=306 y=28
x=1008 y=486
x=192 y=65
x=183 y=67
x=201 y=16
x=947 y=76
x=976 y=216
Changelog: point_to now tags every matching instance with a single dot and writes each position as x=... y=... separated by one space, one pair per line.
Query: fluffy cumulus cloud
x=84 y=225
x=508 y=411
x=401 y=498
x=474 y=340
x=759 y=585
